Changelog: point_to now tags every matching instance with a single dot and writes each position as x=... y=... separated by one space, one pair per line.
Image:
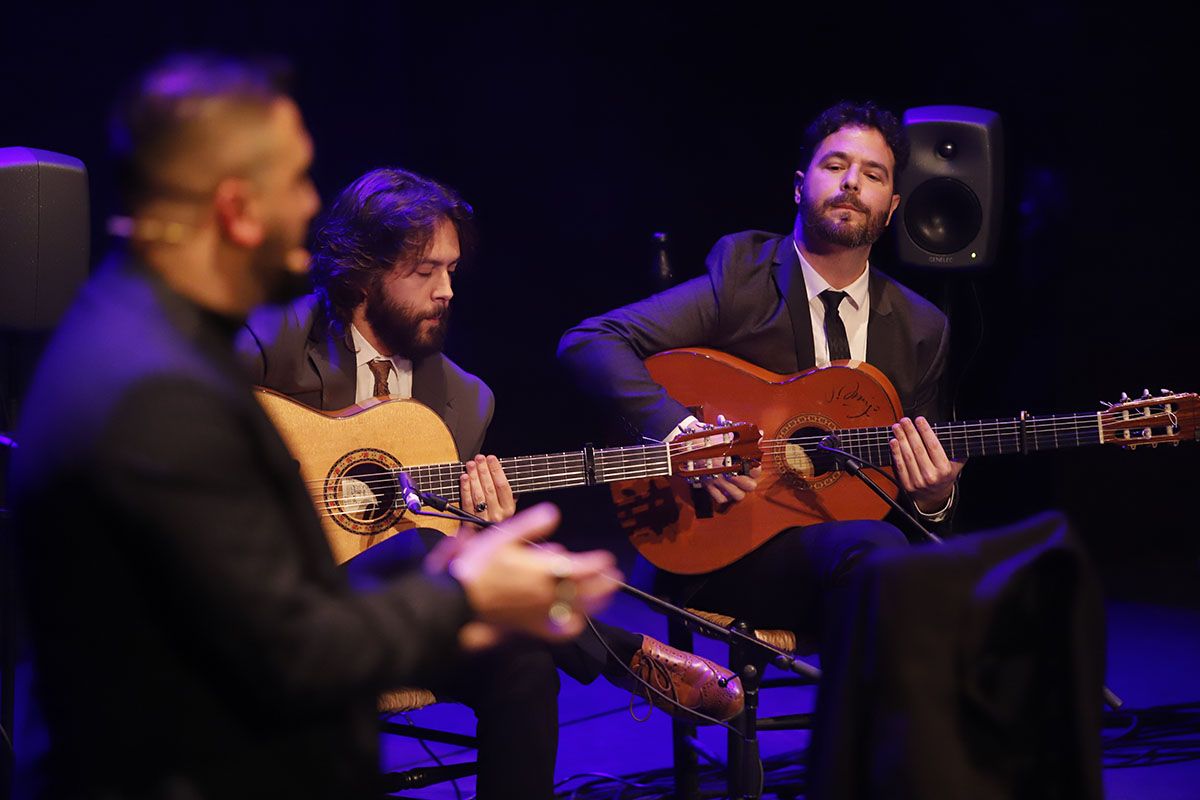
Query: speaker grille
x=943 y=216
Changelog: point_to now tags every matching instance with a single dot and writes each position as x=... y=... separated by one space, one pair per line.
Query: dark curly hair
x=856 y=115
x=386 y=217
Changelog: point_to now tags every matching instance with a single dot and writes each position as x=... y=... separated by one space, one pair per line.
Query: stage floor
x=1154 y=660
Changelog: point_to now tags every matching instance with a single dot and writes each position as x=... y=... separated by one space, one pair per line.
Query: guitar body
x=678 y=528
x=351 y=484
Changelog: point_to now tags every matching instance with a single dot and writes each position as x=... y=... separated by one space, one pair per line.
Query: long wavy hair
x=386 y=217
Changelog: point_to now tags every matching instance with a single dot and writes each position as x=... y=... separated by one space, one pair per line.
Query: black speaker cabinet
x=951 y=194
x=44 y=236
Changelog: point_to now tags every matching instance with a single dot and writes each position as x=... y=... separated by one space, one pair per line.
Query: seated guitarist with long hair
x=383 y=271
x=787 y=304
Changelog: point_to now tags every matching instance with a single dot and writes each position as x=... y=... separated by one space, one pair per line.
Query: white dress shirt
x=399 y=378
x=855 y=310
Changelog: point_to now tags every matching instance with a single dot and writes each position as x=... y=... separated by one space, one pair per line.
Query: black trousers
x=794 y=581
x=512 y=688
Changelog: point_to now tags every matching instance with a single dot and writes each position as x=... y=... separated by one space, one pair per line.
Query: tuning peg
x=1145 y=394
x=1107 y=404
x=1166 y=391
x=1124 y=398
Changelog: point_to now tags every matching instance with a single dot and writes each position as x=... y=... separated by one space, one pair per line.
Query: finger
x=898 y=461
x=933 y=445
x=747 y=483
x=504 y=493
x=592 y=562
x=755 y=473
x=477 y=493
x=442 y=554
x=477 y=635
x=530 y=525
x=484 y=472
x=710 y=486
x=921 y=464
x=728 y=489
x=465 y=494
x=566 y=631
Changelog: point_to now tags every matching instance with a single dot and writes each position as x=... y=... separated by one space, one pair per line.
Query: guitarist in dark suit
x=788 y=303
x=193 y=637
x=383 y=269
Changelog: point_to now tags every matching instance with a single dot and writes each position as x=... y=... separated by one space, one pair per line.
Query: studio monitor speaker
x=44 y=236
x=951 y=194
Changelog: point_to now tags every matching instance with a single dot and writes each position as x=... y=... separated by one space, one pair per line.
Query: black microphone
x=408 y=492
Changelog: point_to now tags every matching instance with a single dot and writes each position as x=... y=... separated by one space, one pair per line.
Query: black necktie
x=835 y=331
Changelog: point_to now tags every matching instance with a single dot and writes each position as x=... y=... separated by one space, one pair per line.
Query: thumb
x=528 y=526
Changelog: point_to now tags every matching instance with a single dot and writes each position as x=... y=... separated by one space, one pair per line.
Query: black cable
x=425 y=746
x=1167 y=734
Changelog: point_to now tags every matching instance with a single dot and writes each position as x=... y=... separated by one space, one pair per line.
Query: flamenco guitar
x=678 y=529
x=350 y=460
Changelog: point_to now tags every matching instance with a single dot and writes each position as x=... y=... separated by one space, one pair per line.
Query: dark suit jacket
x=192 y=635
x=751 y=304
x=970 y=670
x=290 y=350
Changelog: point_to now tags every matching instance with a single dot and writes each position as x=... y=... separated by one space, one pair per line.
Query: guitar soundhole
x=797 y=455
x=361 y=493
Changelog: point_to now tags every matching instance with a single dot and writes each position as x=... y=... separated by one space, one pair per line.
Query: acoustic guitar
x=350 y=460
x=678 y=528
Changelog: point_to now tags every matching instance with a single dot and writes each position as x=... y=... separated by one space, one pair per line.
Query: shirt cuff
x=680 y=428
x=940 y=514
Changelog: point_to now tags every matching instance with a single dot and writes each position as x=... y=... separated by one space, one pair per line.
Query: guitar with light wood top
x=350 y=460
x=678 y=528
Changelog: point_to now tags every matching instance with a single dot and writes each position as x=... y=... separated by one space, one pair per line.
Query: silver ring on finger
x=480 y=507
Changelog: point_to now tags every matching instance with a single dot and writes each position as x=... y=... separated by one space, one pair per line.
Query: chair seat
x=405 y=699
x=781 y=639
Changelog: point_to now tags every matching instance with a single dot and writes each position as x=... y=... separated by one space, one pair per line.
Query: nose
x=442 y=290
x=850 y=178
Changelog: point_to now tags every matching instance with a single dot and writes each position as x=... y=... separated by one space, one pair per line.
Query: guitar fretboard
x=556 y=470
x=985 y=437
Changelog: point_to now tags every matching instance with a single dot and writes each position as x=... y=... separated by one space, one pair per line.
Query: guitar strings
x=546 y=472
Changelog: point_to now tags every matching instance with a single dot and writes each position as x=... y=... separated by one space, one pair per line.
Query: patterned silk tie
x=835 y=331
x=380 y=367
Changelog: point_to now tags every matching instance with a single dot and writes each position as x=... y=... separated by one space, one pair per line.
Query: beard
x=401 y=328
x=281 y=283
x=844 y=234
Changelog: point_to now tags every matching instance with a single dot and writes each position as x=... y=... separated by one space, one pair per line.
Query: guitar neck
x=526 y=474
x=1024 y=434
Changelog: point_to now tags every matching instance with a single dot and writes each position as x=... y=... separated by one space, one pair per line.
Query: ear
x=799 y=182
x=238 y=213
x=892 y=210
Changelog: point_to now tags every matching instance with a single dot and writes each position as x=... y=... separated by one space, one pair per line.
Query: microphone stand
x=780 y=658
x=850 y=463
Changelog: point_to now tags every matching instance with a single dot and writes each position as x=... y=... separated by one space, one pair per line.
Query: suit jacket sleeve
x=225 y=529
x=605 y=353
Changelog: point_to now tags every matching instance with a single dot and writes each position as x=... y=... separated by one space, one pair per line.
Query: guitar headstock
x=712 y=451
x=1169 y=418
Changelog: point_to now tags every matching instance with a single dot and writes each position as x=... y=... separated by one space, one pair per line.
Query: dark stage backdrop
x=578 y=131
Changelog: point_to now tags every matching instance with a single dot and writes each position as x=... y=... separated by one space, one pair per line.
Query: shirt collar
x=365 y=353
x=814 y=284
x=363 y=350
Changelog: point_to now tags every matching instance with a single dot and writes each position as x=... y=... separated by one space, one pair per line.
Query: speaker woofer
x=943 y=216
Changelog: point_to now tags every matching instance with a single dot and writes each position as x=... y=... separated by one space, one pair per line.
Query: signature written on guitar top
x=850 y=395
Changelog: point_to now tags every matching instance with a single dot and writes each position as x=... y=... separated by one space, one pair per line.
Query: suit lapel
x=884 y=334
x=429 y=386
x=334 y=362
x=790 y=281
